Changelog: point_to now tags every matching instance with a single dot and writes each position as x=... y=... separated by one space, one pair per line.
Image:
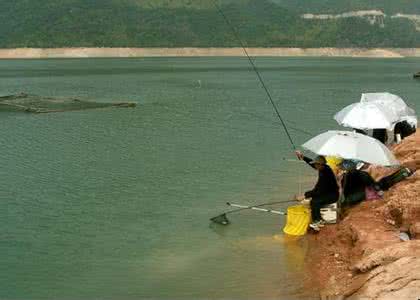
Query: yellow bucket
x=298 y=219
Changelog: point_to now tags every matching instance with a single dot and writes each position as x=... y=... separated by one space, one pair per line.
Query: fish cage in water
x=30 y=103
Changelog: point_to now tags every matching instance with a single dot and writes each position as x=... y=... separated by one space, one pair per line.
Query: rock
x=398 y=280
x=404 y=236
x=397 y=216
x=415 y=230
x=387 y=255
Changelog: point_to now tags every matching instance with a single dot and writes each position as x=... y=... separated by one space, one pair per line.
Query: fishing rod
x=223 y=220
x=236 y=35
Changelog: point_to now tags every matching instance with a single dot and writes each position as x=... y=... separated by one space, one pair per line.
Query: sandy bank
x=363 y=257
x=37 y=53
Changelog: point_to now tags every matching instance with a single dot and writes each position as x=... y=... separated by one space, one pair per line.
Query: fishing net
x=41 y=104
x=221 y=219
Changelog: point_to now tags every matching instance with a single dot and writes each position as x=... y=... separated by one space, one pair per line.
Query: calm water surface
x=114 y=203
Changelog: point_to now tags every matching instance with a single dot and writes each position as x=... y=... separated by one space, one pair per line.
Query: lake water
x=115 y=203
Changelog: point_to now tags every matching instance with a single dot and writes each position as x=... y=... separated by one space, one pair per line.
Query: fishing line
x=301 y=131
x=289 y=122
x=236 y=35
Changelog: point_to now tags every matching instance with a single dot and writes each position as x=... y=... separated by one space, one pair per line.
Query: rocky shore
x=363 y=257
x=39 y=53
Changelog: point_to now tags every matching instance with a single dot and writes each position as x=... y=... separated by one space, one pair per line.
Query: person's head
x=319 y=162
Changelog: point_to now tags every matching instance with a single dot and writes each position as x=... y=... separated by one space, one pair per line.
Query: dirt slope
x=363 y=256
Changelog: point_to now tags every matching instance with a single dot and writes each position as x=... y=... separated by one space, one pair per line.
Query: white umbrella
x=351 y=145
x=367 y=116
x=393 y=102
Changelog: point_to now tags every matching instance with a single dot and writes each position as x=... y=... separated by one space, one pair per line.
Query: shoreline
x=362 y=256
x=86 y=52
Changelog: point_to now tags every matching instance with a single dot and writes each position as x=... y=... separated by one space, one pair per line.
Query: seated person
x=325 y=190
x=404 y=129
x=355 y=183
x=380 y=135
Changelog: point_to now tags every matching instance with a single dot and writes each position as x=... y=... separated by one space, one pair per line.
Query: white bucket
x=329 y=213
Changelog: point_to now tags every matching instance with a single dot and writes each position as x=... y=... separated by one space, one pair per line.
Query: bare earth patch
x=83 y=52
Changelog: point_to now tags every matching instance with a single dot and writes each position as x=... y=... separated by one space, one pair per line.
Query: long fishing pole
x=236 y=35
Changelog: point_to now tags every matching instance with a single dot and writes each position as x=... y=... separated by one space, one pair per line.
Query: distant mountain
x=196 y=23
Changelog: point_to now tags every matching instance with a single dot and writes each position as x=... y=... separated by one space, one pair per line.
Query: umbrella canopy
x=393 y=102
x=367 y=116
x=351 y=145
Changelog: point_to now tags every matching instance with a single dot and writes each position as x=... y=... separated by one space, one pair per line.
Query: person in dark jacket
x=325 y=191
x=380 y=134
x=354 y=184
x=356 y=180
x=404 y=129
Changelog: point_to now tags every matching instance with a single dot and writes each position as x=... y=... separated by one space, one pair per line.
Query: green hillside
x=196 y=23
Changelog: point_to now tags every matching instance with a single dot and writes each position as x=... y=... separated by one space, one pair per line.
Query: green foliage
x=196 y=23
